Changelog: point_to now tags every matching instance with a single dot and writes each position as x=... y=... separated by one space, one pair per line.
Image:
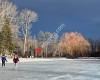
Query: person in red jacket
x=15 y=58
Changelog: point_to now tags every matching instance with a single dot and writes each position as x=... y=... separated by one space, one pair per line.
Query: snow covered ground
x=52 y=69
x=22 y=60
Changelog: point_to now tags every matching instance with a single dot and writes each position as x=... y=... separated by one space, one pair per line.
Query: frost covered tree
x=74 y=44
x=22 y=20
x=7 y=9
x=27 y=17
x=48 y=42
x=8 y=13
x=42 y=39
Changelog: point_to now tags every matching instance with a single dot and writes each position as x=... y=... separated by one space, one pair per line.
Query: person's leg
x=4 y=64
x=15 y=64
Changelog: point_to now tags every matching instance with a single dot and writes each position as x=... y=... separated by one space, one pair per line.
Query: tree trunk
x=25 y=45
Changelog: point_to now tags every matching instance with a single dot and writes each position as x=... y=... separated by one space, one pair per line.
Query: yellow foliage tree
x=74 y=44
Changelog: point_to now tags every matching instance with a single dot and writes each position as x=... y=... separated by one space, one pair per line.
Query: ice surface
x=52 y=69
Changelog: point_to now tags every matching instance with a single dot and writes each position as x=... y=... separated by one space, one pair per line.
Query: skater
x=15 y=59
x=3 y=59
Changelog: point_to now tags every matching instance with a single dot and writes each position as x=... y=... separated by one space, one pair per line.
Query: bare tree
x=27 y=17
x=8 y=10
x=48 y=43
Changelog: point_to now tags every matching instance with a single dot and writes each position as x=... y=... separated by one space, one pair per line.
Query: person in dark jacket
x=3 y=59
x=15 y=58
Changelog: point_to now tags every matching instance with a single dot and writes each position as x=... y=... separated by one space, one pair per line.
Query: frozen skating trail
x=54 y=69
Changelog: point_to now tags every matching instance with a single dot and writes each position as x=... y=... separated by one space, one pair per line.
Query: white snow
x=51 y=69
x=10 y=60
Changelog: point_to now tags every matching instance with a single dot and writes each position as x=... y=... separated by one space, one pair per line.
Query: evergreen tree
x=7 y=36
x=0 y=42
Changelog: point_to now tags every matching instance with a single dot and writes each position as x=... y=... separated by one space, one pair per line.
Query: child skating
x=15 y=59
x=3 y=59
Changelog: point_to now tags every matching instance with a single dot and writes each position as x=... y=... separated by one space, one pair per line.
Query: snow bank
x=9 y=60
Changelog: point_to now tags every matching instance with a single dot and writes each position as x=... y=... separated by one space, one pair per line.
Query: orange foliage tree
x=74 y=44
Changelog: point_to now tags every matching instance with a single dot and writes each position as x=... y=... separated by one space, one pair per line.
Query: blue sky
x=78 y=15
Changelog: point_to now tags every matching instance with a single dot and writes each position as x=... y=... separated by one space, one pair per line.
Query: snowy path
x=52 y=69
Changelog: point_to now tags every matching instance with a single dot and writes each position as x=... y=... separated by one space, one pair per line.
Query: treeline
x=15 y=30
x=70 y=45
x=95 y=48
